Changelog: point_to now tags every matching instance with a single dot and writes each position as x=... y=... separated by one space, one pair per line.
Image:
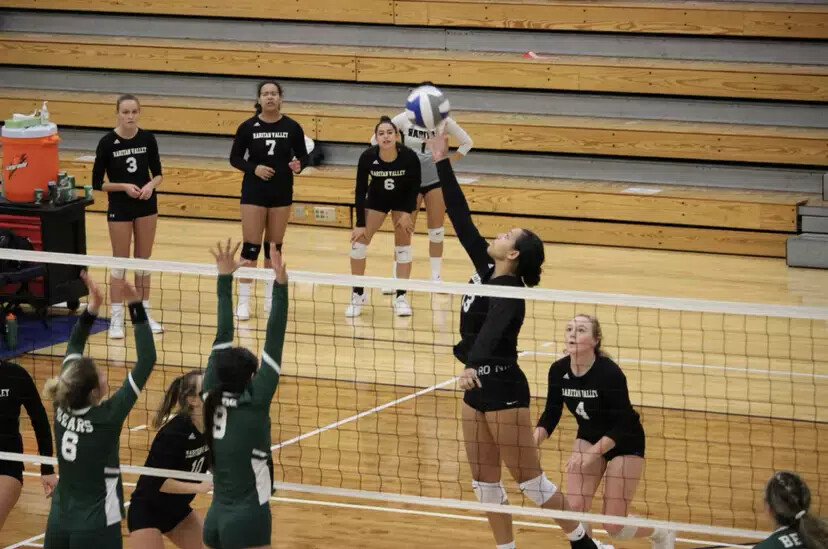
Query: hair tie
x=800 y=514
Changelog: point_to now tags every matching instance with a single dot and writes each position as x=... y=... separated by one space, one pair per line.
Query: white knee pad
x=359 y=250
x=403 y=254
x=142 y=272
x=627 y=532
x=118 y=274
x=436 y=235
x=489 y=492
x=539 y=489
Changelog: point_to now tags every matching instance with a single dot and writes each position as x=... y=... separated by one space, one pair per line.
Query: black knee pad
x=250 y=251
x=267 y=248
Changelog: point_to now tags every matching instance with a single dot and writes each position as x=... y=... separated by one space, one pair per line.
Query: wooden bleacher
x=664 y=17
x=390 y=65
x=496 y=131
x=506 y=132
x=559 y=210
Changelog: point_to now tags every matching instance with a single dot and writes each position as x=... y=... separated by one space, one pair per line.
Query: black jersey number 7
x=271 y=143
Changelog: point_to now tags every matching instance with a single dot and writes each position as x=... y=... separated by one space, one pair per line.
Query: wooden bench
x=365 y=64
x=668 y=17
x=560 y=210
x=507 y=132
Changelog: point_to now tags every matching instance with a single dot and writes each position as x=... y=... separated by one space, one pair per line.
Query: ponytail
x=813 y=531
x=530 y=258
x=211 y=402
x=170 y=398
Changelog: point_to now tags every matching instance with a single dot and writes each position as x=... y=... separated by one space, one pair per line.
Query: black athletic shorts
x=267 y=194
x=503 y=387
x=131 y=209
x=144 y=513
x=384 y=200
x=425 y=189
x=630 y=445
x=12 y=469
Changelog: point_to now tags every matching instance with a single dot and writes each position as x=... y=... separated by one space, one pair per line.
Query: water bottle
x=11 y=332
x=44 y=114
x=52 y=192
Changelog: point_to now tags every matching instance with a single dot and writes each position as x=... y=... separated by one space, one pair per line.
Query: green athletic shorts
x=58 y=537
x=237 y=527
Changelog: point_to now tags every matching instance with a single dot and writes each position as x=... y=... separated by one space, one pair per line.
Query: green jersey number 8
x=219 y=422
x=69 y=446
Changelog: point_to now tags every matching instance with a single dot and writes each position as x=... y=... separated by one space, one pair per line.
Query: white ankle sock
x=510 y=545
x=436 y=263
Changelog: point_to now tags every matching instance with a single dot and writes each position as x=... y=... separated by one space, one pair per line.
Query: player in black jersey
x=496 y=424
x=87 y=506
x=387 y=180
x=430 y=194
x=161 y=506
x=18 y=389
x=128 y=157
x=610 y=439
x=275 y=147
x=787 y=500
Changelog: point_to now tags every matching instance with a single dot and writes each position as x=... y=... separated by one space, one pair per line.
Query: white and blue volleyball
x=427 y=107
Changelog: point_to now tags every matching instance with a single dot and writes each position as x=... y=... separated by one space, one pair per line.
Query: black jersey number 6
x=389 y=184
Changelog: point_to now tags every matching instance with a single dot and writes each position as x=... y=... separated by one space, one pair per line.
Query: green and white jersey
x=89 y=495
x=782 y=538
x=242 y=463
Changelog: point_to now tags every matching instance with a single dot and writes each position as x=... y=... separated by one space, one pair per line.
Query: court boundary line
x=362 y=414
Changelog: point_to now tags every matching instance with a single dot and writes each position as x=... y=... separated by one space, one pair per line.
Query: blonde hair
x=72 y=388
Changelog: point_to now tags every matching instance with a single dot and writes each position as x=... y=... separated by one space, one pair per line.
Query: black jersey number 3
x=132 y=164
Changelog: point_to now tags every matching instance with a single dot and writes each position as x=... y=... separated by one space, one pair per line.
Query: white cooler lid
x=41 y=130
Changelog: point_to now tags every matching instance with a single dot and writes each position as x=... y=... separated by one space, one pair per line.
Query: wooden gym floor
x=725 y=399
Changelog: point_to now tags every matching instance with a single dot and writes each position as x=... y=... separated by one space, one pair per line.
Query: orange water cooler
x=30 y=160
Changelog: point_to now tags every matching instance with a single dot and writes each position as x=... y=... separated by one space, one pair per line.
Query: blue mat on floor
x=34 y=334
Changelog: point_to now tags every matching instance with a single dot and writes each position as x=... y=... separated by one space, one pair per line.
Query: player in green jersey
x=87 y=506
x=787 y=499
x=237 y=395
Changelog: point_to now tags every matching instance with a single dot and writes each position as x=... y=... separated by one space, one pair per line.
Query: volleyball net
x=368 y=408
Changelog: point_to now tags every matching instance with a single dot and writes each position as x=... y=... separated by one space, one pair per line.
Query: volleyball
x=427 y=107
